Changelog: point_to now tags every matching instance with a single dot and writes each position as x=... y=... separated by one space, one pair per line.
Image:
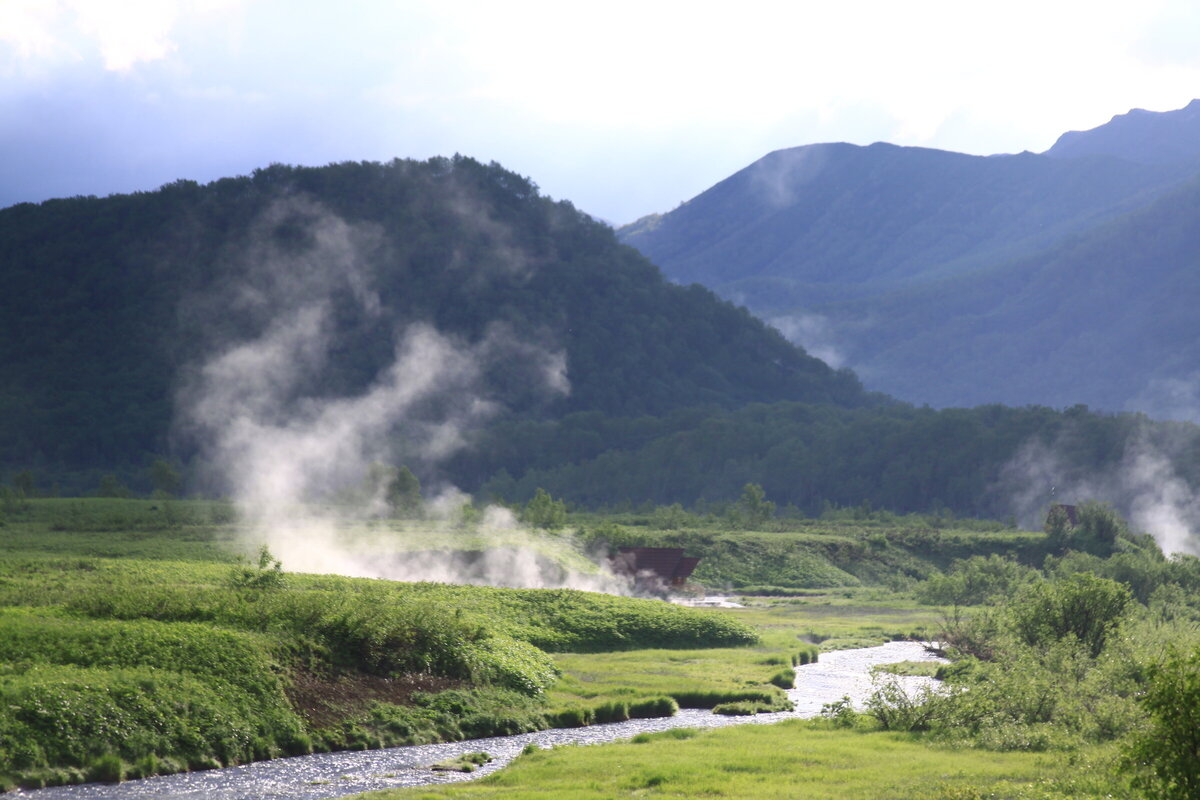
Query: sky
x=623 y=108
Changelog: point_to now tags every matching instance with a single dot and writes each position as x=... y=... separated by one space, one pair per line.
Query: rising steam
x=297 y=460
x=1145 y=486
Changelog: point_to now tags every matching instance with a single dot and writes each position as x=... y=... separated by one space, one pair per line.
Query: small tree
x=398 y=487
x=1058 y=529
x=543 y=511
x=1082 y=607
x=1099 y=529
x=753 y=507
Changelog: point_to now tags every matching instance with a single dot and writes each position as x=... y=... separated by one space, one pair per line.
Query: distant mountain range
x=1057 y=278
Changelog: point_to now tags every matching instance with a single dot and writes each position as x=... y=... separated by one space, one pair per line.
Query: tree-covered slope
x=108 y=301
x=826 y=222
x=1105 y=318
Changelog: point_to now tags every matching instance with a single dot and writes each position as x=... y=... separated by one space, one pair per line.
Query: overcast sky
x=624 y=108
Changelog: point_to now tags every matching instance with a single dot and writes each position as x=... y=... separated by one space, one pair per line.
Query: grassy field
x=135 y=642
x=135 y=639
x=796 y=759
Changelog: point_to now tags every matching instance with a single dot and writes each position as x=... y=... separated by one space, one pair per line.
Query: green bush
x=784 y=679
x=1082 y=607
x=612 y=711
x=1168 y=750
x=573 y=717
x=976 y=581
x=653 y=707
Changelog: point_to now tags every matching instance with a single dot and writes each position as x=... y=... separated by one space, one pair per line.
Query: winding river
x=328 y=775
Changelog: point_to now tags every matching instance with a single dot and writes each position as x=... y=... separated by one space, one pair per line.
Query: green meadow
x=142 y=637
x=794 y=759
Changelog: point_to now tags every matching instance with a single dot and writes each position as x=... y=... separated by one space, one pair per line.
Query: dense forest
x=113 y=306
x=109 y=302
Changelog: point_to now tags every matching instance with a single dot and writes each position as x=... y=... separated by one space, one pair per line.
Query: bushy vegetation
x=118 y=667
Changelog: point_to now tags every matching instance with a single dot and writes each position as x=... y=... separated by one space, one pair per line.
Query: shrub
x=841 y=712
x=612 y=711
x=976 y=581
x=1082 y=607
x=574 y=717
x=653 y=707
x=1169 y=749
x=784 y=679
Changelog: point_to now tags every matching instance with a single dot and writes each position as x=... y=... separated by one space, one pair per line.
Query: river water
x=329 y=775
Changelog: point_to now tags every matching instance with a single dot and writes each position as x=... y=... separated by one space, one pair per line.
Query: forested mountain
x=1105 y=318
x=957 y=280
x=108 y=302
x=826 y=222
x=1147 y=137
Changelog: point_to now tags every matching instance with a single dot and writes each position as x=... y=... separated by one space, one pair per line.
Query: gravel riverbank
x=330 y=775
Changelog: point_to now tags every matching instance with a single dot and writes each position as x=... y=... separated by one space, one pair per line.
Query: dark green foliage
x=466 y=247
x=574 y=717
x=452 y=715
x=1168 y=750
x=753 y=509
x=1057 y=529
x=110 y=486
x=976 y=581
x=1083 y=608
x=822 y=460
x=165 y=478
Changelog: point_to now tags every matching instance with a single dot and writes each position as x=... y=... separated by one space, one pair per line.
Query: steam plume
x=296 y=459
x=1144 y=485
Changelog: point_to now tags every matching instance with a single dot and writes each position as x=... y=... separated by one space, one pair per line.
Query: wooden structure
x=654 y=570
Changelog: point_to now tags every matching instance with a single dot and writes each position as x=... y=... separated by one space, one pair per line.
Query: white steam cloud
x=298 y=460
x=1144 y=485
x=813 y=332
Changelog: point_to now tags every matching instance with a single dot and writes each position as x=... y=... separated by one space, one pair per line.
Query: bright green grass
x=835 y=625
x=796 y=759
x=695 y=678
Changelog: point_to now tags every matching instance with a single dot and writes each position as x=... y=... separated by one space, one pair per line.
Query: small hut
x=654 y=570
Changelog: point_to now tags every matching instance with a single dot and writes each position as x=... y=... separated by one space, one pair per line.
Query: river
x=329 y=775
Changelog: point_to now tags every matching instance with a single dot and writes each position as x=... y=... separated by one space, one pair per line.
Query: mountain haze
x=950 y=279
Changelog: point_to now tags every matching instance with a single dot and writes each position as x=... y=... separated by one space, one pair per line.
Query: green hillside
x=108 y=302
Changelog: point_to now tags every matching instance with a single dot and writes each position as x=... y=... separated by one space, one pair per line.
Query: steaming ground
x=1145 y=486
x=495 y=551
x=298 y=462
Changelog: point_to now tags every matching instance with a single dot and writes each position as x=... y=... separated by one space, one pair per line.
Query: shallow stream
x=328 y=775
